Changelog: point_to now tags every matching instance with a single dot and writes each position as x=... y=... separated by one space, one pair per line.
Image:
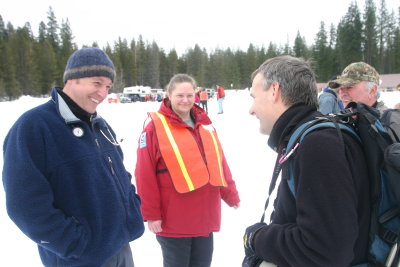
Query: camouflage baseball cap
x=355 y=73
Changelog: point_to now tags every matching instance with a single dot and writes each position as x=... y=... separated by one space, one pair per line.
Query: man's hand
x=250 y=259
x=248 y=238
x=154 y=226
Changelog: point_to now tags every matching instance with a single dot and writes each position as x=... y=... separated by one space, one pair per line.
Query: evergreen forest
x=31 y=64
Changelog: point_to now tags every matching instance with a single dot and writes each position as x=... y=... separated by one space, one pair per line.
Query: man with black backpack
x=359 y=82
x=323 y=217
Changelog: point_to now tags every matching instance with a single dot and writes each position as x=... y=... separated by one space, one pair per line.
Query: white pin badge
x=77 y=131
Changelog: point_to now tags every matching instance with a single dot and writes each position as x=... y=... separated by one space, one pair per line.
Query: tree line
x=31 y=65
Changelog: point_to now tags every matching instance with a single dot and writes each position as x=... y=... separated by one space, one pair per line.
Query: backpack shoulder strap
x=390 y=119
x=302 y=131
x=291 y=147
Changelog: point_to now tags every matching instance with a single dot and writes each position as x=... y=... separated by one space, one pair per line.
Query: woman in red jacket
x=181 y=176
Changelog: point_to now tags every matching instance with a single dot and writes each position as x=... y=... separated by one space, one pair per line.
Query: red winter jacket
x=220 y=92
x=197 y=213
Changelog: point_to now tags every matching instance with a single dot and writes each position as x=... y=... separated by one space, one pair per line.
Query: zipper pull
x=111 y=167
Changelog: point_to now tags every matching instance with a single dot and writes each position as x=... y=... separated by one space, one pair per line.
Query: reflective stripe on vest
x=183 y=158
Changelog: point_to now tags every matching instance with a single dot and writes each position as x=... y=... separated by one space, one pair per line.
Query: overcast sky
x=181 y=24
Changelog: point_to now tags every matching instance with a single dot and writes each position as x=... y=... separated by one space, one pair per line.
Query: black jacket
x=327 y=223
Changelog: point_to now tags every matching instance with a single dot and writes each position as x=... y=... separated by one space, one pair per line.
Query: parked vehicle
x=137 y=93
x=113 y=98
x=124 y=99
x=210 y=92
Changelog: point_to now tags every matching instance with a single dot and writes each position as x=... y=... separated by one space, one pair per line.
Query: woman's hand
x=154 y=226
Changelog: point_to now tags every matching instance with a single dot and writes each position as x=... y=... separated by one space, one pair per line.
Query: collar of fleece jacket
x=287 y=122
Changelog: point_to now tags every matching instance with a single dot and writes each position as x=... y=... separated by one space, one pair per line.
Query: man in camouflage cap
x=359 y=82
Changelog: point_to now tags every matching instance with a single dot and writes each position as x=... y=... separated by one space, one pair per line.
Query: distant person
x=328 y=101
x=359 y=82
x=65 y=183
x=325 y=221
x=220 y=98
x=197 y=97
x=204 y=99
x=182 y=175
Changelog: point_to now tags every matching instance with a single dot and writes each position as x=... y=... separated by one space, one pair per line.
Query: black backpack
x=391 y=120
x=382 y=154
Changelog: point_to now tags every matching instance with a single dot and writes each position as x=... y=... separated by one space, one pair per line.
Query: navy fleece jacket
x=70 y=194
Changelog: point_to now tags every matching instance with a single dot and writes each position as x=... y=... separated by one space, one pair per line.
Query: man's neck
x=77 y=110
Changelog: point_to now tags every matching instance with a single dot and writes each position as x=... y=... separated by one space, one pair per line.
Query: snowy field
x=250 y=159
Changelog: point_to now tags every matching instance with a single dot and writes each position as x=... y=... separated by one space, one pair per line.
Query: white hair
x=370 y=85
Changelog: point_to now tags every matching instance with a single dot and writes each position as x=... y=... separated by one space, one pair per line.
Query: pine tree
x=66 y=49
x=25 y=70
x=396 y=52
x=215 y=68
x=333 y=66
x=52 y=30
x=141 y=60
x=272 y=51
x=45 y=59
x=2 y=42
x=250 y=62
x=244 y=79
x=390 y=35
x=300 y=47
x=286 y=48
x=382 y=29
x=321 y=55
x=118 y=83
x=8 y=83
x=195 y=64
x=134 y=63
x=125 y=56
x=349 y=37
x=164 y=78
x=7 y=72
x=232 y=71
x=370 y=34
x=172 y=67
x=153 y=66
x=3 y=31
x=42 y=32
x=261 y=55
x=54 y=40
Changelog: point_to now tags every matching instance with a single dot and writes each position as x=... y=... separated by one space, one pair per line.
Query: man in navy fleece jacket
x=66 y=186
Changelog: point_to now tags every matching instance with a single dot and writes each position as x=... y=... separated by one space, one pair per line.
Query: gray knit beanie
x=89 y=62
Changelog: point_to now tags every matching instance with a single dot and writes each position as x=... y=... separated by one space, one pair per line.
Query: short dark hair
x=295 y=78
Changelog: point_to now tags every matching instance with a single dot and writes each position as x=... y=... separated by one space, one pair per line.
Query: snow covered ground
x=250 y=159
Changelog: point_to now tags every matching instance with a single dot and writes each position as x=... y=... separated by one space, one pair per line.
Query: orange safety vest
x=188 y=169
x=203 y=95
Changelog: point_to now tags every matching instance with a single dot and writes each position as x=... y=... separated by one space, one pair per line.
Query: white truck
x=137 y=93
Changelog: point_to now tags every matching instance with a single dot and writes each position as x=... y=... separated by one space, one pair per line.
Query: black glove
x=248 y=237
x=251 y=261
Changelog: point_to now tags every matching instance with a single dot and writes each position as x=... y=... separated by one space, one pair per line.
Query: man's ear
x=372 y=92
x=276 y=91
